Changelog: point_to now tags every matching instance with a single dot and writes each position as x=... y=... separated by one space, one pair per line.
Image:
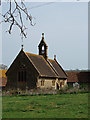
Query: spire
x=42 y=40
x=43 y=47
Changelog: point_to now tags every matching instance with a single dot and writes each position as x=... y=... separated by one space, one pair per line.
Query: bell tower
x=43 y=47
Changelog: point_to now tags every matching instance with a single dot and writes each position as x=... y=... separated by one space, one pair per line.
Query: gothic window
x=43 y=49
x=24 y=76
x=21 y=76
x=18 y=76
x=22 y=73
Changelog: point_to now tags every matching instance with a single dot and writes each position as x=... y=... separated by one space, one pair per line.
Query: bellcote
x=43 y=47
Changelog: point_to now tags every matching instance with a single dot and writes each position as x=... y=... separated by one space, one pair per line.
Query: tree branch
x=11 y=17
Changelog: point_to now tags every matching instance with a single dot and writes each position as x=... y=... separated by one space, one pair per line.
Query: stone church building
x=30 y=71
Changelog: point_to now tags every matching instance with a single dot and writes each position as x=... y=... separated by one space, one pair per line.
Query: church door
x=57 y=86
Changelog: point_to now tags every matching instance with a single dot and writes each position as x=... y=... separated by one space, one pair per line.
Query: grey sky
x=66 y=32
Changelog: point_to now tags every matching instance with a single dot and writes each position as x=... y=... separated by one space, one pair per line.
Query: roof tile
x=42 y=65
x=58 y=68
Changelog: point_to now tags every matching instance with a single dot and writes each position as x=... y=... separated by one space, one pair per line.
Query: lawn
x=46 y=106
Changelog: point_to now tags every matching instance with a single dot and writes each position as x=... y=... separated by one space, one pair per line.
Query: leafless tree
x=14 y=16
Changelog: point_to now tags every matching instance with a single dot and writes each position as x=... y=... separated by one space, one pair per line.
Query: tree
x=14 y=17
x=3 y=67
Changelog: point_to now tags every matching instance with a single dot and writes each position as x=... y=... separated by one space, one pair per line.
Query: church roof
x=41 y=65
x=61 y=73
x=46 y=68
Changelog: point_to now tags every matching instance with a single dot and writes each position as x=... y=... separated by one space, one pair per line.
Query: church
x=30 y=71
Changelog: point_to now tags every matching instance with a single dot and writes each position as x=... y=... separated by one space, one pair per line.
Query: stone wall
x=51 y=83
x=47 y=83
x=60 y=83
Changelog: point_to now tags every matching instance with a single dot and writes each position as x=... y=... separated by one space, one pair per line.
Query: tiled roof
x=49 y=68
x=41 y=65
x=59 y=70
x=78 y=76
x=72 y=77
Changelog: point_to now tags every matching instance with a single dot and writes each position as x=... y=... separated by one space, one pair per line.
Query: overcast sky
x=65 y=25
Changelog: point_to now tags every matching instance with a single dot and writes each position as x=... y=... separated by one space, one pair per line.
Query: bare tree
x=14 y=16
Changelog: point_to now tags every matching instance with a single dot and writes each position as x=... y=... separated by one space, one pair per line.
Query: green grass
x=46 y=106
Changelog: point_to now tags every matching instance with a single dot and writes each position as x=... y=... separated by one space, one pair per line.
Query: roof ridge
x=32 y=54
x=51 y=59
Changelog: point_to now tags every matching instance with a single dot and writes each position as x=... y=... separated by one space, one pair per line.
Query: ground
x=46 y=106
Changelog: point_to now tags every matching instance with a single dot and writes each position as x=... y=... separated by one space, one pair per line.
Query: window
x=42 y=51
x=42 y=82
x=53 y=83
x=43 y=47
x=21 y=76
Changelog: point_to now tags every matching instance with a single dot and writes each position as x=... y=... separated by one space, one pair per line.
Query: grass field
x=46 y=106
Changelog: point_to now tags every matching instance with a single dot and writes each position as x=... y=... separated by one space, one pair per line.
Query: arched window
x=21 y=76
x=18 y=76
x=43 y=47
